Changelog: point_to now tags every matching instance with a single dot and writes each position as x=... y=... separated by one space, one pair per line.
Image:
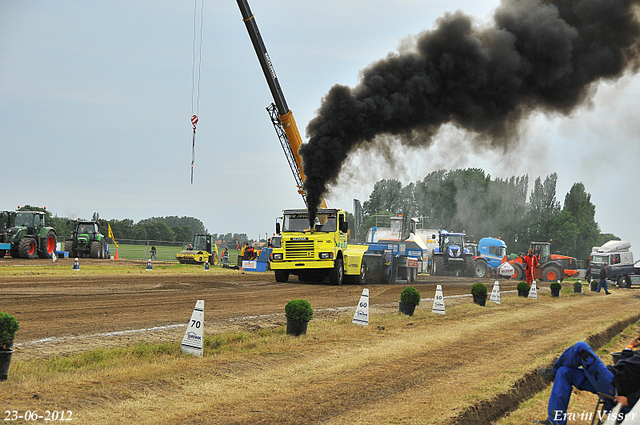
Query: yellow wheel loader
x=202 y=250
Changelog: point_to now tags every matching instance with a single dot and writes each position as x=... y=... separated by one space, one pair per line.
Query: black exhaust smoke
x=537 y=56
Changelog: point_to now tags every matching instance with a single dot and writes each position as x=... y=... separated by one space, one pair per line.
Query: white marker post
x=533 y=292
x=194 y=335
x=361 y=316
x=438 y=301
x=495 y=293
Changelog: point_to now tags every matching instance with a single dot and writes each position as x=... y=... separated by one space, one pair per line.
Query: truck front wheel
x=282 y=276
x=480 y=269
x=624 y=282
x=337 y=273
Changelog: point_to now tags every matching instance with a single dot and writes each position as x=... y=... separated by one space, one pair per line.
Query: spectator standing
x=604 y=273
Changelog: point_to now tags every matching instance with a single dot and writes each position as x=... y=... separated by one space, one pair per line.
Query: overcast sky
x=96 y=100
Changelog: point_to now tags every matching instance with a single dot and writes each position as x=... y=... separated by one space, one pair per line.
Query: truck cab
x=315 y=253
x=491 y=252
x=618 y=257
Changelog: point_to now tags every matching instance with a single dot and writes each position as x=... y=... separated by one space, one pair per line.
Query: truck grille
x=298 y=250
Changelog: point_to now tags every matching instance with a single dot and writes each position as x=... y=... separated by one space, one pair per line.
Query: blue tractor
x=451 y=257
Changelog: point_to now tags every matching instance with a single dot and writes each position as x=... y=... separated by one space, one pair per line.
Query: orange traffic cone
x=116 y=257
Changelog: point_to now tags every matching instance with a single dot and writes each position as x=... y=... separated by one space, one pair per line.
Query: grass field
x=163 y=253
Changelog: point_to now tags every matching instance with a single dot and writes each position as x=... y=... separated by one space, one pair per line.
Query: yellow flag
x=111 y=235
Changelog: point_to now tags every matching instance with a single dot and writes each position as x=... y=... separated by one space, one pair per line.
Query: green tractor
x=27 y=235
x=86 y=241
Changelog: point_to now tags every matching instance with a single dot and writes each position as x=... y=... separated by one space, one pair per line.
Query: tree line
x=164 y=229
x=470 y=200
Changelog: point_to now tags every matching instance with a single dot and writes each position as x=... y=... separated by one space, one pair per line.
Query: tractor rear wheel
x=551 y=274
x=49 y=245
x=438 y=265
x=213 y=260
x=469 y=266
x=518 y=272
x=95 y=249
x=27 y=248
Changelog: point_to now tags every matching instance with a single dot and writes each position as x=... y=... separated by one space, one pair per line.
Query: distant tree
x=563 y=231
x=182 y=233
x=158 y=231
x=578 y=203
x=543 y=207
x=139 y=232
x=196 y=226
x=603 y=238
x=386 y=196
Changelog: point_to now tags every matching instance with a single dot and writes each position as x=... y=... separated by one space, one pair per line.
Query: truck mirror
x=277 y=228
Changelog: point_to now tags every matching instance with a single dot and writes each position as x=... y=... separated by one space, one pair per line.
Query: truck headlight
x=277 y=256
x=326 y=255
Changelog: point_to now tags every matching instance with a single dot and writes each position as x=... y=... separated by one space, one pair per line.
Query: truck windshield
x=600 y=260
x=300 y=223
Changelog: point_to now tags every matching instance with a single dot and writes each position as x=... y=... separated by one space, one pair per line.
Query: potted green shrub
x=577 y=287
x=593 y=285
x=298 y=313
x=8 y=328
x=409 y=299
x=555 y=289
x=479 y=292
x=523 y=289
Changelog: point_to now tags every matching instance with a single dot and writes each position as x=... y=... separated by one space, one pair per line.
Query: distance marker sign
x=193 y=336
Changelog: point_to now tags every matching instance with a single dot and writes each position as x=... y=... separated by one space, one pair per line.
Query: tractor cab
x=542 y=250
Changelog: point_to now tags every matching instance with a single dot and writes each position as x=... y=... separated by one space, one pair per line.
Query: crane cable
x=195 y=75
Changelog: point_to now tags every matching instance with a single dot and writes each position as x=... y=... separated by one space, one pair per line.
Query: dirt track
x=77 y=305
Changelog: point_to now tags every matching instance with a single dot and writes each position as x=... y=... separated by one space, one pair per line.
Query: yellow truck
x=313 y=254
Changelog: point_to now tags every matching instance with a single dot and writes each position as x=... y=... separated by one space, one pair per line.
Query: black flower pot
x=480 y=299
x=577 y=290
x=5 y=361
x=555 y=292
x=523 y=293
x=407 y=309
x=296 y=327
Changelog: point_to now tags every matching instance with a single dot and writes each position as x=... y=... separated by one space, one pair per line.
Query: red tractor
x=550 y=268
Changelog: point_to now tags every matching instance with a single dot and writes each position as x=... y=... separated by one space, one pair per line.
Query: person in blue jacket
x=581 y=368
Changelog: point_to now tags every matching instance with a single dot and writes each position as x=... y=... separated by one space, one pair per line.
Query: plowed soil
x=431 y=361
